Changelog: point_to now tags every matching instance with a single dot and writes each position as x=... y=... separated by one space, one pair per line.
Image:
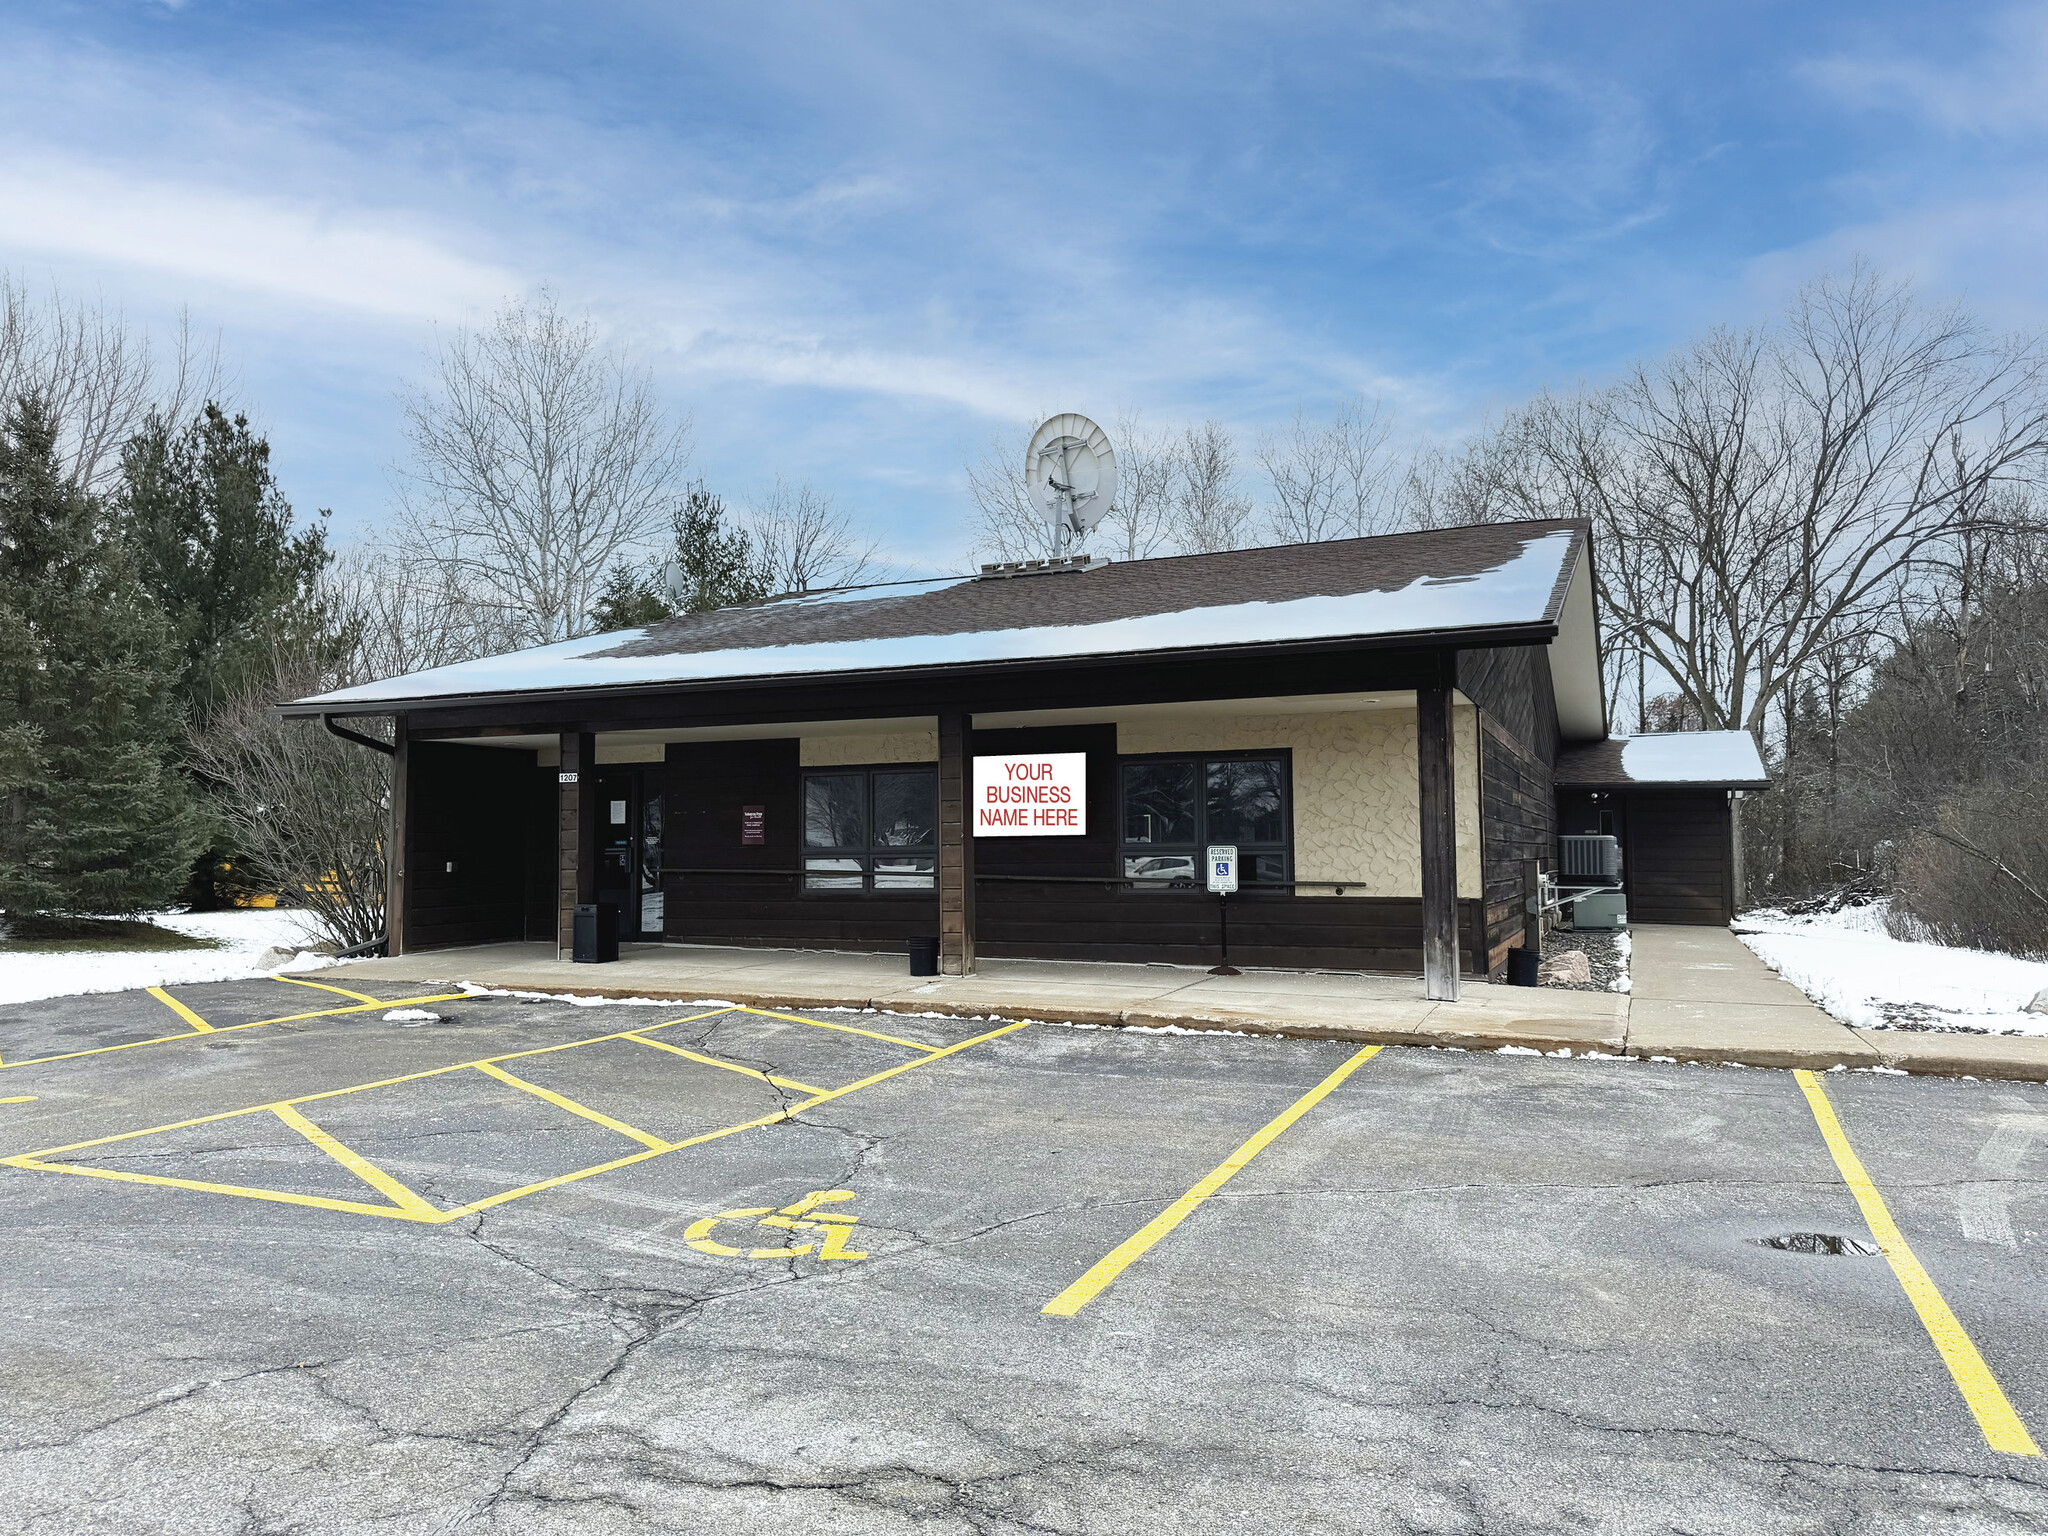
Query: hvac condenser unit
x=1591 y=880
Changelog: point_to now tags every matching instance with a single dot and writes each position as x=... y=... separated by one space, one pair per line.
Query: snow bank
x=245 y=935
x=1847 y=963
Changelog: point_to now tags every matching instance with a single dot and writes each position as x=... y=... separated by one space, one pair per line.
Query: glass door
x=629 y=849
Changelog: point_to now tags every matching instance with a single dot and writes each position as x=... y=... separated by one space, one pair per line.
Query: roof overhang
x=953 y=679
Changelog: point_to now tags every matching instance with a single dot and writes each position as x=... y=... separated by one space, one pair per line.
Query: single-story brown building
x=1037 y=760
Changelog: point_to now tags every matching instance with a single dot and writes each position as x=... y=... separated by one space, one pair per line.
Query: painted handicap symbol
x=832 y=1227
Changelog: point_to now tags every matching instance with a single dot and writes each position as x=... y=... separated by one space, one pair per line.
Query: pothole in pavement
x=1826 y=1245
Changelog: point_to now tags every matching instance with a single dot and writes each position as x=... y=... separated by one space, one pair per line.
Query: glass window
x=906 y=810
x=1175 y=807
x=871 y=829
x=1245 y=801
x=834 y=806
x=1159 y=802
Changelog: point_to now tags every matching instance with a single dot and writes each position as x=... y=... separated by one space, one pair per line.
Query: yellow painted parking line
x=228 y=1029
x=26 y=1098
x=335 y=1093
x=299 y=981
x=248 y=1191
x=181 y=1010
x=1987 y=1400
x=731 y=1130
x=730 y=1066
x=915 y=1045
x=385 y=1185
x=1120 y=1258
x=594 y=1115
x=427 y=1213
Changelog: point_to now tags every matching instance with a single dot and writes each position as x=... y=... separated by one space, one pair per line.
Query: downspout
x=357 y=737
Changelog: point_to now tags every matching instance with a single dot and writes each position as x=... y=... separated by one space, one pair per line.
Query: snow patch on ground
x=1849 y=965
x=245 y=935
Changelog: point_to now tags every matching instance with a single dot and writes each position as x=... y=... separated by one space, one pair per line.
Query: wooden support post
x=956 y=850
x=1439 y=844
x=397 y=874
x=576 y=860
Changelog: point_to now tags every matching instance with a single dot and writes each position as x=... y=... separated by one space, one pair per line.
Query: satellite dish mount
x=1070 y=476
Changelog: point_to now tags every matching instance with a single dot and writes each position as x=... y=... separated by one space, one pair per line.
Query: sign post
x=1221 y=859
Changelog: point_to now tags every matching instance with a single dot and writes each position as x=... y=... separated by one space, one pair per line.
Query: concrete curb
x=2002 y=1057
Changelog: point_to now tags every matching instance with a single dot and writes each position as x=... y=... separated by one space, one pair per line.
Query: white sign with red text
x=1042 y=795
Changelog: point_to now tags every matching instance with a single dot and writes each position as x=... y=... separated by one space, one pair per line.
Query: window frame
x=1246 y=851
x=868 y=850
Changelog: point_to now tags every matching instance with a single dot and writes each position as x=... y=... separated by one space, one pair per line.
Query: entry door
x=629 y=850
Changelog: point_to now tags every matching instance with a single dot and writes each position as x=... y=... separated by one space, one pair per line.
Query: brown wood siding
x=1078 y=922
x=1678 y=857
x=707 y=783
x=1511 y=686
x=470 y=807
x=1518 y=746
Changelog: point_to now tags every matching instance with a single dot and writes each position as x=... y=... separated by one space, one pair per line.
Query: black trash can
x=1522 y=964
x=924 y=957
x=597 y=934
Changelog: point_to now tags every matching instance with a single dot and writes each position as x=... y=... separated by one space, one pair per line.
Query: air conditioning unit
x=1590 y=859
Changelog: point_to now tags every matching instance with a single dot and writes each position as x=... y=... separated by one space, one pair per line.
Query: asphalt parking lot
x=275 y=1264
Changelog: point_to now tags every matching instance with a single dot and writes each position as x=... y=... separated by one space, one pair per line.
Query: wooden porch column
x=1439 y=844
x=576 y=860
x=956 y=851
x=396 y=843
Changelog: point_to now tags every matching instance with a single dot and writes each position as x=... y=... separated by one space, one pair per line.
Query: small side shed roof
x=1672 y=760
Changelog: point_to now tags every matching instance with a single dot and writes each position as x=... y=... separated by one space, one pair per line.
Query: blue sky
x=856 y=240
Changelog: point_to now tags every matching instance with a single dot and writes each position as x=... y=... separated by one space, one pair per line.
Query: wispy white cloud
x=341 y=257
x=1998 y=88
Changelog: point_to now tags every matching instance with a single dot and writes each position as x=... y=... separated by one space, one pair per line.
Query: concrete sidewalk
x=1699 y=994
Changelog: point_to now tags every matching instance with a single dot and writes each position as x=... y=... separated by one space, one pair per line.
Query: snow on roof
x=1707 y=759
x=1499 y=575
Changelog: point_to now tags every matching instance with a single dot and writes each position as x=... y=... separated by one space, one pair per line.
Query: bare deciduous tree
x=399 y=612
x=100 y=375
x=1210 y=512
x=1331 y=479
x=309 y=813
x=1761 y=494
x=538 y=458
x=802 y=542
x=1147 y=473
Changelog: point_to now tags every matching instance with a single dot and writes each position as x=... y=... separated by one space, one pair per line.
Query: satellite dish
x=675 y=583
x=1070 y=473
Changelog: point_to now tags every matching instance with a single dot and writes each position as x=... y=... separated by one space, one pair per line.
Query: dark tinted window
x=906 y=809
x=1159 y=803
x=833 y=810
x=1175 y=807
x=866 y=818
x=1245 y=801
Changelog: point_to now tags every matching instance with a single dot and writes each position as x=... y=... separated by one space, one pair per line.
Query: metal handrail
x=1152 y=882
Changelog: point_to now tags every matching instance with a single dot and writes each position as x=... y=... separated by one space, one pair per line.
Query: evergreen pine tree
x=215 y=549
x=96 y=820
x=716 y=567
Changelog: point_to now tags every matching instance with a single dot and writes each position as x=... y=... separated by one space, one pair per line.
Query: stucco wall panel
x=896 y=747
